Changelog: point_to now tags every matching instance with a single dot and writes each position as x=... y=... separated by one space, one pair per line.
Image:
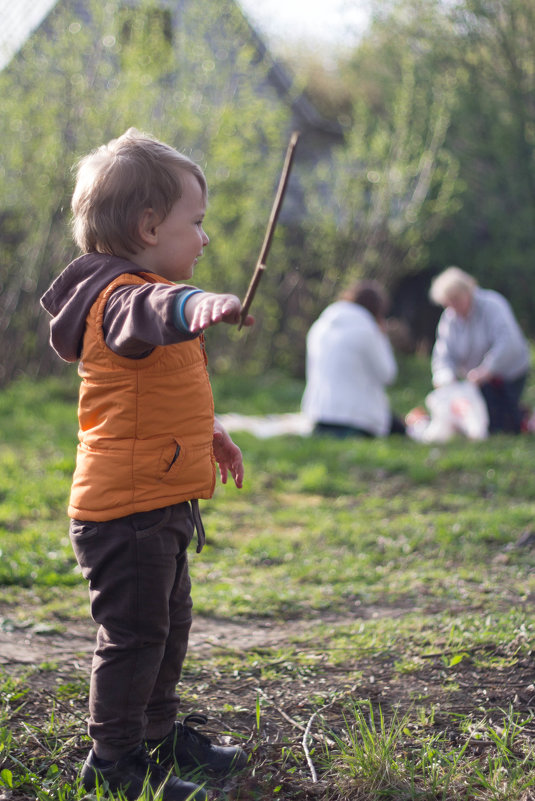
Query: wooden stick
x=277 y=203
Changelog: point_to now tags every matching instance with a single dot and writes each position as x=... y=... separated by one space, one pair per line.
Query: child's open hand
x=207 y=308
x=227 y=455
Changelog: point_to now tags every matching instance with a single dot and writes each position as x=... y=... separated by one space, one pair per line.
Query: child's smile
x=180 y=238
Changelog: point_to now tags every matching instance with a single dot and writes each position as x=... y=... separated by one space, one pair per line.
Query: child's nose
x=205 y=239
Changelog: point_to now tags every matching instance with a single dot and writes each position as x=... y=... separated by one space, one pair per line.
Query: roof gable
x=19 y=19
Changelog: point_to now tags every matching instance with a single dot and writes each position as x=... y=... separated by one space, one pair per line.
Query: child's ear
x=148 y=227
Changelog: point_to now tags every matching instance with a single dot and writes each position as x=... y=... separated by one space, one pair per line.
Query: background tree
x=438 y=166
x=436 y=101
x=85 y=77
x=394 y=182
x=493 y=137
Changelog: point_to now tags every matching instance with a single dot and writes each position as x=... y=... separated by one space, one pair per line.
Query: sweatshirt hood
x=71 y=295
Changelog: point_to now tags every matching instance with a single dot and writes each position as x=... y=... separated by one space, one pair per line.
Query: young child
x=147 y=450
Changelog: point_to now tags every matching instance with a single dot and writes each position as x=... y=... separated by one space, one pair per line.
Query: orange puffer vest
x=146 y=425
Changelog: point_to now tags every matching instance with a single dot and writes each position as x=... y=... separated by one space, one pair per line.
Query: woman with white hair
x=479 y=339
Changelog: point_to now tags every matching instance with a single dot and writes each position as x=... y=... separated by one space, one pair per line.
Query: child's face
x=181 y=239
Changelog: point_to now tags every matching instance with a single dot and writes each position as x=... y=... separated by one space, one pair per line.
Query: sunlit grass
x=373 y=558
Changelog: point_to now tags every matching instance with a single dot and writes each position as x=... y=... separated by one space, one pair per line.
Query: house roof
x=19 y=19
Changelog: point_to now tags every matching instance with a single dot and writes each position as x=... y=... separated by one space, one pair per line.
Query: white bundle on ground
x=457 y=408
x=270 y=425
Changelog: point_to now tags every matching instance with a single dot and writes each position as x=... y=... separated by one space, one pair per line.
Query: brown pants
x=140 y=594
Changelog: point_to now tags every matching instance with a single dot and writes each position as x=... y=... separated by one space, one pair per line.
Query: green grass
x=398 y=579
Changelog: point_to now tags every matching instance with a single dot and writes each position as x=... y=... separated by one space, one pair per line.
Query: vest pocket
x=171 y=457
x=175 y=457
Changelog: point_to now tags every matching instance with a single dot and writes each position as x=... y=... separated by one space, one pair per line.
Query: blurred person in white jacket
x=349 y=363
x=479 y=340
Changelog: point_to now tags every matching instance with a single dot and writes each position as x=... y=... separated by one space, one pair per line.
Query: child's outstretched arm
x=204 y=309
x=227 y=455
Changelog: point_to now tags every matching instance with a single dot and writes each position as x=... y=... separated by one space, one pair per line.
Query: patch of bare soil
x=34 y=645
x=278 y=716
x=27 y=644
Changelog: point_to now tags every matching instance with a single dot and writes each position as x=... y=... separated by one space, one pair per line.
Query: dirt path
x=33 y=644
x=476 y=690
x=494 y=679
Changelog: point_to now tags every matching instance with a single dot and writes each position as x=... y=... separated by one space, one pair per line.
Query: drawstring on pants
x=201 y=536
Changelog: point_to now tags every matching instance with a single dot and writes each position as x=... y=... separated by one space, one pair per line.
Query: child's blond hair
x=116 y=182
